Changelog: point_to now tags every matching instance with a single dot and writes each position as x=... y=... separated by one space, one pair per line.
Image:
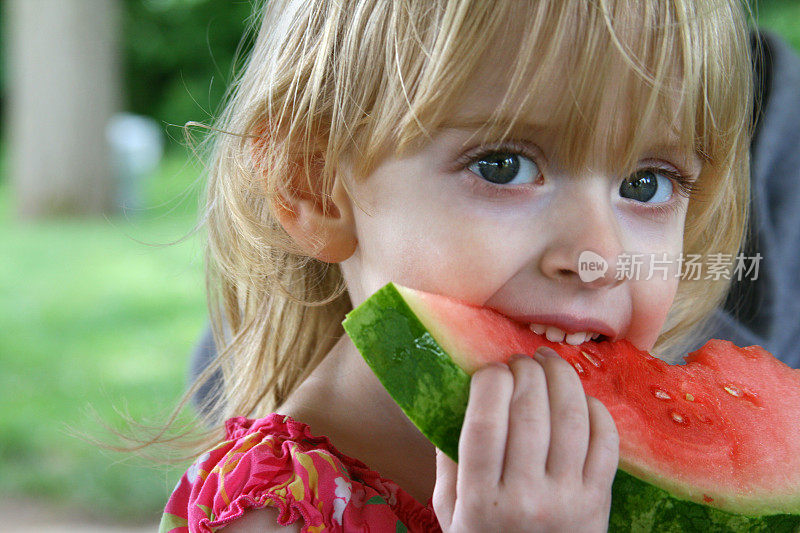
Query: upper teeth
x=555 y=334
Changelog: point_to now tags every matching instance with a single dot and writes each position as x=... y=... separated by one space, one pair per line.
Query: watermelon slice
x=712 y=445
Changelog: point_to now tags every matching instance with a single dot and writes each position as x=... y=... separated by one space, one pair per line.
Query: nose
x=585 y=241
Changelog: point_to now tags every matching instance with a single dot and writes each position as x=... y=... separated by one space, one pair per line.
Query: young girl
x=473 y=149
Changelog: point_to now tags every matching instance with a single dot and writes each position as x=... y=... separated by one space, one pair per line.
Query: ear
x=327 y=235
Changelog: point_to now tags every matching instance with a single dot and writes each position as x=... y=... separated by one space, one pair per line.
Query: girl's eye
x=505 y=168
x=647 y=185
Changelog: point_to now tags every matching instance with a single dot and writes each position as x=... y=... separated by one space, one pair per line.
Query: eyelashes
x=511 y=147
x=686 y=186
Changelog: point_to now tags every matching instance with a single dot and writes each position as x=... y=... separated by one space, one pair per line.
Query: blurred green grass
x=91 y=317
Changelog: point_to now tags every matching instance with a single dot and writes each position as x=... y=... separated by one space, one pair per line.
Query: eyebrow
x=691 y=162
x=478 y=122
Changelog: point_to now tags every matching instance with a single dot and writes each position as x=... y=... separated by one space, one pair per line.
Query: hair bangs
x=431 y=50
x=627 y=79
x=651 y=75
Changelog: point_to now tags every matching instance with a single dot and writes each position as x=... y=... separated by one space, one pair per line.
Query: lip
x=568 y=323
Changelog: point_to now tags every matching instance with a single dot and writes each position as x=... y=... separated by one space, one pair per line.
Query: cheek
x=651 y=299
x=431 y=248
x=651 y=303
x=647 y=235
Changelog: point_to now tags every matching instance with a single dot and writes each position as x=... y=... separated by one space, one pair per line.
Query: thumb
x=444 y=492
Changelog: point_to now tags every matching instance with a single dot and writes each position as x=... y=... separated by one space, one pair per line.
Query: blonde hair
x=331 y=81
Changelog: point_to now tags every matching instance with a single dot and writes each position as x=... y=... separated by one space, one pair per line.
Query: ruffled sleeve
x=276 y=461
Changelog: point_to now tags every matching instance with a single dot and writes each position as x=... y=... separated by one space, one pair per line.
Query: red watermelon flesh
x=723 y=428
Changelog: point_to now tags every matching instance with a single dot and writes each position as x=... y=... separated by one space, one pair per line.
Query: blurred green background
x=94 y=314
x=91 y=316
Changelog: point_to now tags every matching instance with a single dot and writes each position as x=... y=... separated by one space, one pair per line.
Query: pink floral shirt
x=276 y=461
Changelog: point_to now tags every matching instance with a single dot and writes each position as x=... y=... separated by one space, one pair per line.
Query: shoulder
x=273 y=473
x=266 y=471
x=263 y=520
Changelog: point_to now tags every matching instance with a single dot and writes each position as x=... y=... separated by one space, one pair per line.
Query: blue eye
x=504 y=168
x=648 y=186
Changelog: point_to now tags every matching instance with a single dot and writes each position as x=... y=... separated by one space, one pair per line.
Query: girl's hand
x=535 y=454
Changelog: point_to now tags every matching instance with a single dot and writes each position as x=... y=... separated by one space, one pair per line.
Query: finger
x=602 y=458
x=482 y=444
x=569 y=417
x=444 y=492
x=529 y=421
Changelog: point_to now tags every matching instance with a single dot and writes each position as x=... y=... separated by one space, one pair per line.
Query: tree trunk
x=63 y=86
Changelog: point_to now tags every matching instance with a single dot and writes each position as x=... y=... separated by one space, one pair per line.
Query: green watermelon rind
x=421 y=378
x=433 y=392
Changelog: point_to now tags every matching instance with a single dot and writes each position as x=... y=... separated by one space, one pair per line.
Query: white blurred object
x=137 y=146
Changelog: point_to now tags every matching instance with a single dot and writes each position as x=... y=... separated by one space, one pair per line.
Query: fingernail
x=516 y=356
x=543 y=353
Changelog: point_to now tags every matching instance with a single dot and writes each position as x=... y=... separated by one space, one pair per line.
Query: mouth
x=567 y=328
